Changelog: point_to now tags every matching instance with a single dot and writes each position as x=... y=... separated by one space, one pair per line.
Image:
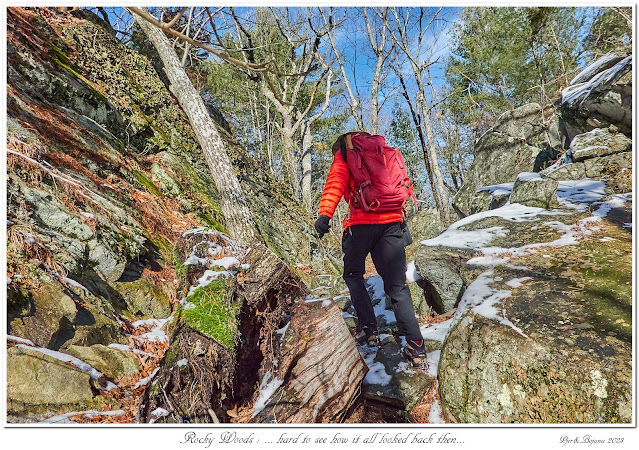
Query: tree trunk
x=307 y=150
x=445 y=211
x=288 y=156
x=319 y=368
x=239 y=220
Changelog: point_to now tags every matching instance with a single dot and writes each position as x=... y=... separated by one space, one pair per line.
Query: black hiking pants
x=385 y=243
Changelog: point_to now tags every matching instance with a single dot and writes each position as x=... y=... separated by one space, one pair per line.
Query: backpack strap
x=345 y=143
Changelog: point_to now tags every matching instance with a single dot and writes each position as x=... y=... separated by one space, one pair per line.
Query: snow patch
x=574 y=92
x=376 y=370
x=145 y=381
x=19 y=339
x=411 y=273
x=65 y=418
x=517 y=282
x=268 y=387
x=436 y=331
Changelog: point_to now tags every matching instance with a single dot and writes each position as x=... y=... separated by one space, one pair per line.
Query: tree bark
x=307 y=168
x=319 y=367
x=239 y=220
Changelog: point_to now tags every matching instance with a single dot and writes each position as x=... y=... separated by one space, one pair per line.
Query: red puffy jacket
x=339 y=183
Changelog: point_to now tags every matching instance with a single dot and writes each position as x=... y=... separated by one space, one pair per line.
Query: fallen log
x=283 y=338
x=318 y=370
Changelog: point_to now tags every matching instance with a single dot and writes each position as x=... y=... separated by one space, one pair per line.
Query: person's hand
x=322 y=226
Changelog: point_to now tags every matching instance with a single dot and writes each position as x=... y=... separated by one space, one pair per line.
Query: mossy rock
x=214 y=312
x=144 y=299
x=568 y=357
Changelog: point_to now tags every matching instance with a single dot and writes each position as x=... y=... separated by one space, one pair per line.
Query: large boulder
x=515 y=144
x=598 y=97
x=543 y=334
x=562 y=356
x=531 y=189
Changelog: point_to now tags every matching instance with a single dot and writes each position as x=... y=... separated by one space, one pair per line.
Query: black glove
x=322 y=226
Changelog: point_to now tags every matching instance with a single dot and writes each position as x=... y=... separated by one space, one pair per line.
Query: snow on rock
x=81 y=365
x=432 y=360
x=376 y=371
x=411 y=272
x=477 y=239
x=593 y=68
x=517 y=282
x=436 y=331
x=579 y=194
x=145 y=381
x=498 y=189
x=65 y=418
x=481 y=299
x=21 y=340
x=526 y=177
x=576 y=91
x=268 y=387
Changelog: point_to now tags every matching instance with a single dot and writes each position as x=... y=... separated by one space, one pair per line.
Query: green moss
x=152 y=123
x=608 y=287
x=215 y=313
x=63 y=60
x=145 y=181
x=170 y=356
x=210 y=222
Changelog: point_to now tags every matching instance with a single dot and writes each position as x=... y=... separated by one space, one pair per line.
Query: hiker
x=372 y=178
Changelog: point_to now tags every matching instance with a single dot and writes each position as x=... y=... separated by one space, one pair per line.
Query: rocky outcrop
x=598 y=97
x=519 y=142
x=558 y=350
x=104 y=176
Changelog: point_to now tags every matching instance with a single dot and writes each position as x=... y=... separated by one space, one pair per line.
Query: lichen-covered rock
x=144 y=299
x=600 y=96
x=424 y=224
x=599 y=142
x=512 y=146
x=38 y=382
x=614 y=170
x=490 y=197
x=112 y=362
x=440 y=271
x=531 y=189
x=558 y=349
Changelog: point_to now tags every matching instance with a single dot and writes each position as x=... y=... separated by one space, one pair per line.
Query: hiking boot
x=368 y=336
x=416 y=353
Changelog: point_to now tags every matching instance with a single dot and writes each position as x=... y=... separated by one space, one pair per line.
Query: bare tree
x=353 y=102
x=409 y=40
x=239 y=219
x=381 y=54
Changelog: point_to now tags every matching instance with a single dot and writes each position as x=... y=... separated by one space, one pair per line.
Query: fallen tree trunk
x=319 y=369
x=300 y=347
